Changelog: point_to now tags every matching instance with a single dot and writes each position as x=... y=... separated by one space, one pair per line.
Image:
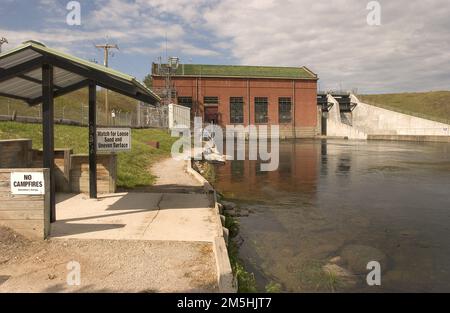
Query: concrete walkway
x=136 y=216
x=142 y=241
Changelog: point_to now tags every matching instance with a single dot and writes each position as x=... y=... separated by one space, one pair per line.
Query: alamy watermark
x=374 y=16
x=73 y=17
x=374 y=276
x=259 y=139
x=74 y=275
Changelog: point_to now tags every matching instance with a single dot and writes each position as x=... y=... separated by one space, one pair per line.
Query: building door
x=212 y=115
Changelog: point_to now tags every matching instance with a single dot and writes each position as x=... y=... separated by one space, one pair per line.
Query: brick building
x=259 y=95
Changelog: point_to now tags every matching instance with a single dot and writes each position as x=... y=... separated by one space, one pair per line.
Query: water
x=356 y=201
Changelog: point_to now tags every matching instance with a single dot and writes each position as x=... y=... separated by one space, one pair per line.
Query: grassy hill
x=434 y=105
x=72 y=105
x=132 y=166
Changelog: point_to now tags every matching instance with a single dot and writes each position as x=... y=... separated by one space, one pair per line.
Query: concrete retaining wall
x=410 y=138
x=338 y=129
x=225 y=277
x=335 y=126
x=26 y=214
x=378 y=121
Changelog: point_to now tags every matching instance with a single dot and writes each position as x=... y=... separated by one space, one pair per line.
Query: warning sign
x=113 y=139
x=24 y=183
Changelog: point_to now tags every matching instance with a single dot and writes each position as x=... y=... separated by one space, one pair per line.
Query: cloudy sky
x=409 y=51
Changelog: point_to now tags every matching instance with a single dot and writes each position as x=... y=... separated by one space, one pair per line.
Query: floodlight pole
x=106 y=48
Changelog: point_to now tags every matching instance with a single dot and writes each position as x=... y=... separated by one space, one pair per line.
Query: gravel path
x=106 y=265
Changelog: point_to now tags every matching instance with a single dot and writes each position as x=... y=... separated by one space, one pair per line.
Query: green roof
x=244 y=71
x=40 y=47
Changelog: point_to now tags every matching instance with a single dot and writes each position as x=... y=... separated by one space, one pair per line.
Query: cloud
x=332 y=37
x=406 y=53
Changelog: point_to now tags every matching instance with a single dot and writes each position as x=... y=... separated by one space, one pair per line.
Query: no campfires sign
x=113 y=139
x=25 y=183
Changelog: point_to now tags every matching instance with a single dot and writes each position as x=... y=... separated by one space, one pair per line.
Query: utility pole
x=106 y=47
x=2 y=41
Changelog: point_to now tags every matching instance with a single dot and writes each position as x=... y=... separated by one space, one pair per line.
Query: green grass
x=434 y=105
x=132 y=166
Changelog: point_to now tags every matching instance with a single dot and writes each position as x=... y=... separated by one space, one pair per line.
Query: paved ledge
x=417 y=138
x=225 y=277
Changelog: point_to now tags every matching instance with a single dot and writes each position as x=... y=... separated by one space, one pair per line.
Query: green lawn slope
x=133 y=166
x=434 y=105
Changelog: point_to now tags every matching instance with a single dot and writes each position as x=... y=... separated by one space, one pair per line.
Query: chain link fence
x=144 y=116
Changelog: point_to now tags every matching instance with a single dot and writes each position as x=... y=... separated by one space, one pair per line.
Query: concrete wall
x=378 y=121
x=106 y=173
x=338 y=129
x=28 y=215
x=335 y=126
x=15 y=153
x=179 y=116
x=303 y=94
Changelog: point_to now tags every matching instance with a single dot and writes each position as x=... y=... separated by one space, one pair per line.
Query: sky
x=408 y=51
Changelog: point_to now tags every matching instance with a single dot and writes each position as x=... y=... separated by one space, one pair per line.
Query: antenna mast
x=2 y=41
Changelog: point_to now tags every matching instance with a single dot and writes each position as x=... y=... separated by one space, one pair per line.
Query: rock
x=239 y=240
x=51 y=276
x=344 y=277
x=357 y=257
x=222 y=220
x=337 y=260
x=220 y=206
x=243 y=213
x=226 y=235
x=3 y=260
x=228 y=205
x=231 y=212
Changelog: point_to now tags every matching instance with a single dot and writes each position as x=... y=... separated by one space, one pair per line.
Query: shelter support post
x=48 y=132
x=92 y=140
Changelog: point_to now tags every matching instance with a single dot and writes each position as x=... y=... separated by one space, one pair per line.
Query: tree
x=148 y=81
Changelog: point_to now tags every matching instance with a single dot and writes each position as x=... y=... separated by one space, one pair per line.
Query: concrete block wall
x=26 y=214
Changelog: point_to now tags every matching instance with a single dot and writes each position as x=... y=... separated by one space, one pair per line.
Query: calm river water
x=333 y=206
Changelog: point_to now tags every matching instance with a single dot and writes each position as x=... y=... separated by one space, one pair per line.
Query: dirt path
x=172 y=177
x=106 y=265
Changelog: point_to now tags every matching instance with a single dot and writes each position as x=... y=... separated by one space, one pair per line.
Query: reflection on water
x=333 y=206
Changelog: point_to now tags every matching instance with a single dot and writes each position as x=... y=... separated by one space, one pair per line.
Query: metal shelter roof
x=21 y=75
